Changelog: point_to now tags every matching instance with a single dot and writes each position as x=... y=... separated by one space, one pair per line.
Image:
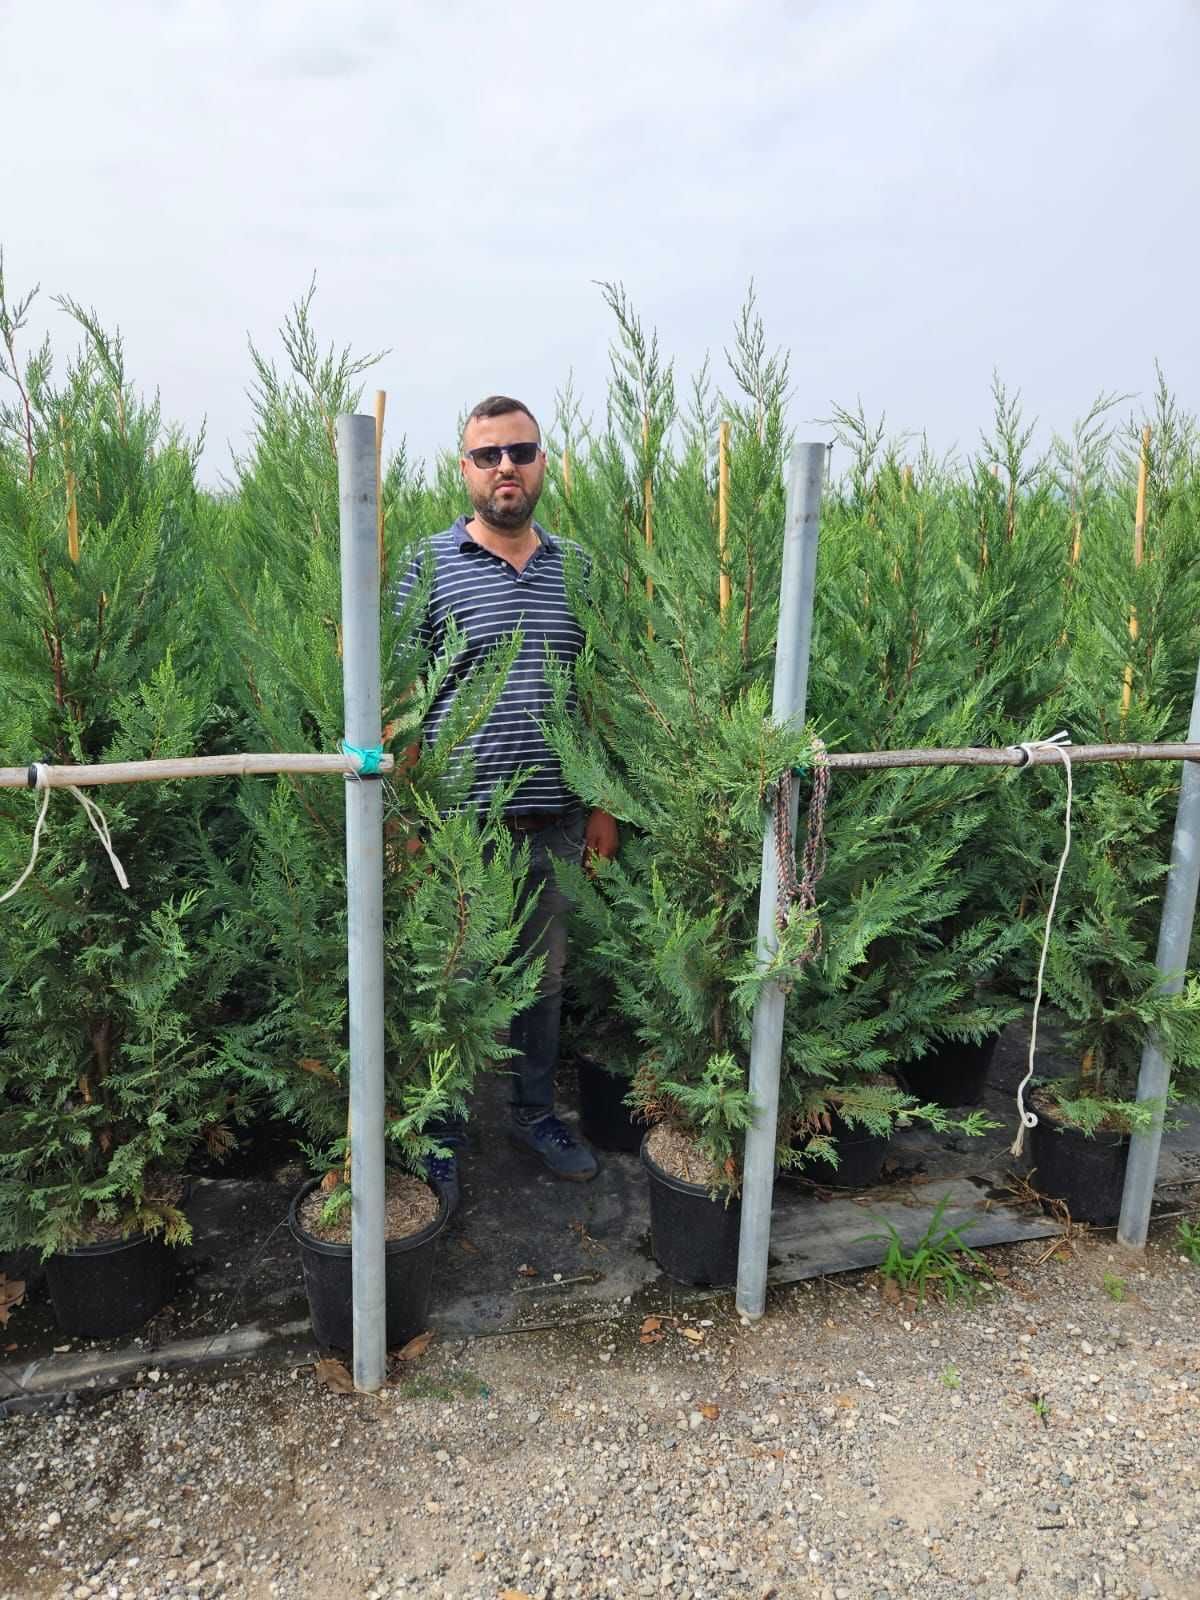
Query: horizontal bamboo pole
x=247 y=766
x=1011 y=756
x=253 y=766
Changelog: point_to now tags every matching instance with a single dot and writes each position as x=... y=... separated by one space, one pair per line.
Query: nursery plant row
x=983 y=599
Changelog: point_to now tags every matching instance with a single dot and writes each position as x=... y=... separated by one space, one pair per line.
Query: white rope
x=37 y=835
x=94 y=815
x=99 y=822
x=1059 y=743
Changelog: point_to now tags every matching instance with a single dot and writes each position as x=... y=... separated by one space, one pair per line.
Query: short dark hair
x=499 y=405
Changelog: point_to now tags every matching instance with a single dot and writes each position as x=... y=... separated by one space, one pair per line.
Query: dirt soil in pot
x=1048 y=1108
x=409 y=1206
x=672 y=1150
x=167 y=1187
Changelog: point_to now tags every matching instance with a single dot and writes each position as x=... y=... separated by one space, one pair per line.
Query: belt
x=535 y=821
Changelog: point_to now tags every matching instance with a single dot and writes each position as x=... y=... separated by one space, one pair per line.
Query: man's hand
x=600 y=838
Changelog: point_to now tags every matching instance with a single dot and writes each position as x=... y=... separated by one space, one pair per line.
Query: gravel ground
x=1042 y=1442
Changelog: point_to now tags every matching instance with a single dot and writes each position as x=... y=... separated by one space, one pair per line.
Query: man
x=497 y=572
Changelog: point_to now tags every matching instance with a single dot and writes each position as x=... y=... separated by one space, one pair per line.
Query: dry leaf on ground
x=12 y=1292
x=416 y=1348
x=471 y=1249
x=650 y=1338
x=335 y=1376
x=711 y=1412
x=651 y=1325
x=526 y=1271
x=693 y=1334
x=513 y=1594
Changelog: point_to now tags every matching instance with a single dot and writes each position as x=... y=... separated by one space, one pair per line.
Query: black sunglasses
x=488 y=455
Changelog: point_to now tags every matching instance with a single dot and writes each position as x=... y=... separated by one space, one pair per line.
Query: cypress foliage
x=977 y=602
x=110 y=1000
x=681 y=748
x=1100 y=972
x=451 y=917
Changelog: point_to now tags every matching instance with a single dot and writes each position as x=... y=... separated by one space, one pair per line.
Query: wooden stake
x=723 y=514
x=1139 y=554
x=255 y=765
x=1139 y=522
x=1076 y=521
x=72 y=497
x=648 y=507
x=1087 y=1066
x=380 y=406
x=233 y=766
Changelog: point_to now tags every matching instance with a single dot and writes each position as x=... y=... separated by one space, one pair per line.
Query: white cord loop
x=40 y=774
x=1060 y=744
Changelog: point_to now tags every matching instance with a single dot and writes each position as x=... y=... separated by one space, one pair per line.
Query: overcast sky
x=922 y=190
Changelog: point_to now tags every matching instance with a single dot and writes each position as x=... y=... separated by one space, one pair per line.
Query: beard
x=511 y=511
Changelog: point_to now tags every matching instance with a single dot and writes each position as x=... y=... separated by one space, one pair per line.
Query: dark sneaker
x=442 y=1174
x=565 y=1155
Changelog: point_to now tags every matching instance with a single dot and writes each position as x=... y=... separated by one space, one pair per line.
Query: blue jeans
x=534 y=1033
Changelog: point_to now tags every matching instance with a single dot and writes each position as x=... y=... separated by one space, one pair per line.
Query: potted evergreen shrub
x=1101 y=978
x=939 y=623
x=112 y=998
x=453 y=977
x=454 y=981
x=1100 y=973
x=680 y=747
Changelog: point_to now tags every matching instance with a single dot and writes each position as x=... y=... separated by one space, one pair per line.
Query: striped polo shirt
x=488 y=600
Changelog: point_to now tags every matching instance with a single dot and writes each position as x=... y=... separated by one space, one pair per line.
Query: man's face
x=503 y=495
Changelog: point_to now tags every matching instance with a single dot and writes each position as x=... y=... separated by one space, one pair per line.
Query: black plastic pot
x=952 y=1073
x=604 y=1118
x=693 y=1238
x=860 y=1157
x=101 y=1291
x=408 y=1276
x=1088 y=1174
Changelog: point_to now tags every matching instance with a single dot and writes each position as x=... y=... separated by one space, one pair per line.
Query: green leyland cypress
x=453 y=975
x=681 y=748
x=111 y=999
x=1117 y=687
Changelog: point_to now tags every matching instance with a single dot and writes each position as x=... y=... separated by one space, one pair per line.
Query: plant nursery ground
x=525 y=1251
x=1040 y=1443
x=560 y=1439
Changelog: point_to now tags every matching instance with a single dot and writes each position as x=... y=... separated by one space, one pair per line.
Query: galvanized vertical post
x=364 y=891
x=805 y=478
x=1174 y=941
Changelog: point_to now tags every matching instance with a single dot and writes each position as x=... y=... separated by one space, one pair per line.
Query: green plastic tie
x=369 y=761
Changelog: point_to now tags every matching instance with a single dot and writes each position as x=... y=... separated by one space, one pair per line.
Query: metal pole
x=805 y=478
x=1174 y=941
x=364 y=891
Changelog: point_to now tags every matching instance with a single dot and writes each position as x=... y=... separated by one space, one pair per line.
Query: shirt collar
x=465 y=541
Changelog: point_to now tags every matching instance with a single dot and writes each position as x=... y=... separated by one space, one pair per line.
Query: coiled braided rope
x=800 y=893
